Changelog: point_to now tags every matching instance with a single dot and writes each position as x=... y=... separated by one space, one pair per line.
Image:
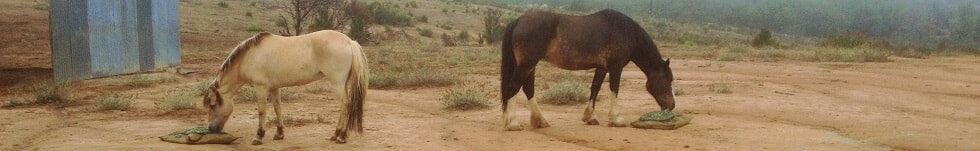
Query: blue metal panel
x=92 y=38
x=166 y=33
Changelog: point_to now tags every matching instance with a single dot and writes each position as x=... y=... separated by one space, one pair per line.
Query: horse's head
x=660 y=85
x=218 y=109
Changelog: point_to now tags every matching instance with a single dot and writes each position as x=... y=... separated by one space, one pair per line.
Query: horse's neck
x=228 y=81
x=646 y=64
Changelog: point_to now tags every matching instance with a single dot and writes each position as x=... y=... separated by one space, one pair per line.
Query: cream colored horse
x=268 y=62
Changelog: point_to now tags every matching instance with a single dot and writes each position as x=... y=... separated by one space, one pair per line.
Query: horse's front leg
x=614 y=119
x=274 y=97
x=261 y=95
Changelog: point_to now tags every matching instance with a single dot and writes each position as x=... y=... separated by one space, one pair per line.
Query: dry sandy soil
x=906 y=104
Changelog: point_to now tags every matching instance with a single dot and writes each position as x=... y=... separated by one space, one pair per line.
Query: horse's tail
x=357 y=85
x=508 y=62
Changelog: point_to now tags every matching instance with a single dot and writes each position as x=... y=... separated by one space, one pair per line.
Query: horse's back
x=298 y=59
x=572 y=42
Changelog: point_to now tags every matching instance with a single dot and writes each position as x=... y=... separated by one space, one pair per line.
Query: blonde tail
x=357 y=85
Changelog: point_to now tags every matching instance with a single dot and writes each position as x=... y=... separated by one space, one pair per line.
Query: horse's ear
x=668 y=61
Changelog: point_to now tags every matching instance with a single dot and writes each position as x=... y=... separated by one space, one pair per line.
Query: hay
x=665 y=120
x=198 y=135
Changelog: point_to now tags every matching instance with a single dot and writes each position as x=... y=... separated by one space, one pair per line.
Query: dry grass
x=465 y=97
x=724 y=88
x=565 y=93
x=859 y=54
x=174 y=100
x=114 y=102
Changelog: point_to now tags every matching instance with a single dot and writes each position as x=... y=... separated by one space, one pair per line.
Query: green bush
x=406 y=79
x=425 y=32
x=51 y=93
x=846 y=39
x=861 y=54
x=385 y=13
x=465 y=97
x=223 y=4
x=565 y=93
x=254 y=28
x=422 y=18
x=173 y=100
x=463 y=36
x=764 y=38
x=114 y=102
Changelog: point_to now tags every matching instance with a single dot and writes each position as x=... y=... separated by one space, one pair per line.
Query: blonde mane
x=241 y=49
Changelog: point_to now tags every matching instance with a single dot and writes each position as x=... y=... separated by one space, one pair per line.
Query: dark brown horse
x=606 y=41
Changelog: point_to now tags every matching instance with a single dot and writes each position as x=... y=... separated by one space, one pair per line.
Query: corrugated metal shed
x=94 y=38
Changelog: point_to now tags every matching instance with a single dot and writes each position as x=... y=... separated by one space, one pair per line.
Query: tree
x=491 y=26
x=334 y=16
x=297 y=12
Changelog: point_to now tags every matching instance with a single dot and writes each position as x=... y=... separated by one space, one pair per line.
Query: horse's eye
x=213 y=106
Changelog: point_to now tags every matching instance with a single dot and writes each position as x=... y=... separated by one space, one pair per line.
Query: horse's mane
x=241 y=49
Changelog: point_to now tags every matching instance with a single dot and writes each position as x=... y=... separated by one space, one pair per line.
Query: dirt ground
x=906 y=104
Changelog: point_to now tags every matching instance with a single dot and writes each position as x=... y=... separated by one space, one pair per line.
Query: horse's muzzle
x=214 y=127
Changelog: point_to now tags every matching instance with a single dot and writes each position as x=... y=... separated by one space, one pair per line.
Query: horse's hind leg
x=274 y=97
x=261 y=94
x=508 y=90
x=614 y=119
x=589 y=116
x=537 y=120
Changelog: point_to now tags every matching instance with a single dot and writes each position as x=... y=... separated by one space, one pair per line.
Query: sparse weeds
x=114 y=102
x=724 y=88
x=174 y=100
x=418 y=78
x=465 y=97
x=565 y=93
x=51 y=93
x=860 y=54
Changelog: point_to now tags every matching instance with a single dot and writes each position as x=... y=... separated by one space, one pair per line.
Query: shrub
x=764 y=38
x=359 y=28
x=139 y=81
x=385 y=13
x=246 y=94
x=413 y=4
x=425 y=32
x=465 y=97
x=223 y=4
x=248 y=14
x=431 y=47
x=463 y=36
x=114 y=102
x=846 y=39
x=850 y=55
x=173 y=100
x=286 y=94
x=565 y=93
x=721 y=88
x=254 y=28
x=679 y=92
x=202 y=87
x=416 y=78
x=50 y=93
x=493 y=31
x=14 y=101
x=422 y=18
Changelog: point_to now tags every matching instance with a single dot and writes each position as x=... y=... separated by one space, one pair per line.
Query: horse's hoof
x=338 y=140
x=514 y=126
x=256 y=142
x=592 y=120
x=541 y=123
x=617 y=122
x=278 y=137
